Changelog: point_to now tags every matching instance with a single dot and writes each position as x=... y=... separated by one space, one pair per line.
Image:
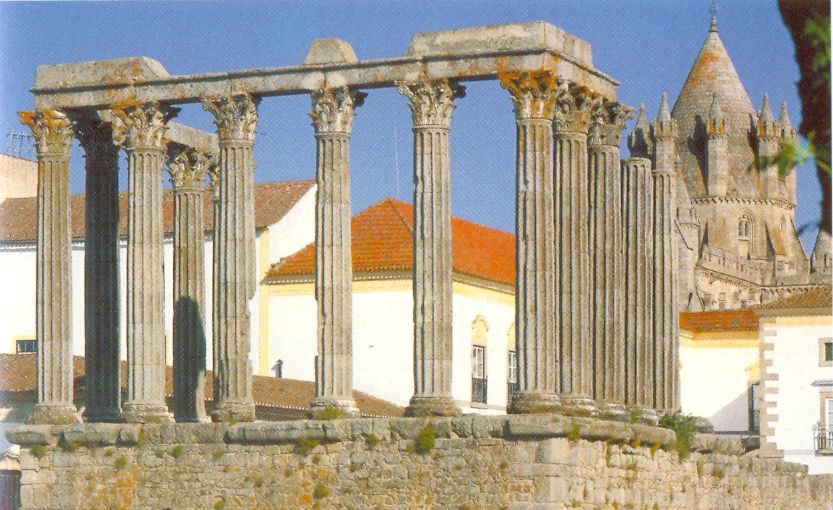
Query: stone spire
x=766 y=113
x=767 y=133
x=639 y=143
x=717 y=150
x=784 y=120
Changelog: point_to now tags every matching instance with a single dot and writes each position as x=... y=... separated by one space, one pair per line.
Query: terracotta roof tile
x=722 y=320
x=382 y=238
x=18 y=375
x=817 y=298
x=272 y=201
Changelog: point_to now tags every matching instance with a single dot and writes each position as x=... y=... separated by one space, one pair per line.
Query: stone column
x=188 y=168
x=666 y=308
x=332 y=118
x=53 y=312
x=534 y=96
x=572 y=278
x=606 y=265
x=431 y=107
x=214 y=182
x=236 y=118
x=138 y=129
x=101 y=269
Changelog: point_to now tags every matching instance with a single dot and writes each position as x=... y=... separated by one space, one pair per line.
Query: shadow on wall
x=734 y=416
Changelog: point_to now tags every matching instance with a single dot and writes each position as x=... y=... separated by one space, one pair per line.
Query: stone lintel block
x=92 y=434
x=538 y=425
x=275 y=432
x=462 y=426
x=120 y=70
x=131 y=434
x=517 y=37
x=708 y=443
x=330 y=51
x=553 y=451
x=31 y=435
x=488 y=426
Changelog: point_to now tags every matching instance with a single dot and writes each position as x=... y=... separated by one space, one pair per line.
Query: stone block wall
x=515 y=462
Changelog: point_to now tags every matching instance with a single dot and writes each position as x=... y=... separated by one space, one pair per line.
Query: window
x=745 y=226
x=754 y=408
x=512 y=374
x=478 y=374
x=826 y=352
x=277 y=368
x=824 y=431
x=28 y=345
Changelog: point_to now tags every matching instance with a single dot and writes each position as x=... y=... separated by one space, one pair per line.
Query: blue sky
x=647 y=45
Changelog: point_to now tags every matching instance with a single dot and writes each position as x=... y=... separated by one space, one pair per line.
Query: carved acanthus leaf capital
x=432 y=103
x=333 y=109
x=607 y=121
x=141 y=125
x=534 y=94
x=574 y=107
x=235 y=116
x=52 y=130
x=188 y=167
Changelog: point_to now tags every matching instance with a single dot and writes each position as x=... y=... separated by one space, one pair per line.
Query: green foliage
x=575 y=433
x=354 y=467
x=329 y=413
x=684 y=427
x=220 y=504
x=177 y=451
x=371 y=440
x=654 y=448
x=160 y=454
x=818 y=34
x=608 y=453
x=316 y=459
x=109 y=452
x=635 y=415
x=39 y=450
x=121 y=462
x=307 y=444
x=320 y=491
x=636 y=443
x=69 y=446
x=718 y=472
x=216 y=454
x=141 y=438
x=426 y=438
x=504 y=465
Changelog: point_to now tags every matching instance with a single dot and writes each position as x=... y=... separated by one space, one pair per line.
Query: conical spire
x=638 y=140
x=640 y=121
x=784 y=118
x=766 y=114
x=664 y=114
x=664 y=126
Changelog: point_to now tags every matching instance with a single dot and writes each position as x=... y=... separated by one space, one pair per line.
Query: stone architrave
x=53 y=137
x=606 y=264
x=432 y=104
x=138 y=129
x=666 y=255
x=534 y=97
x=332 y=117
x=234 y=265
x=188 y=168
x=572 y=257
x=101 y=269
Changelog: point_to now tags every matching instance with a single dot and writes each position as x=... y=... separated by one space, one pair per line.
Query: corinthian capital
x=235 y=116
x=52 y=130
x=432 y=102
x=574 y=107
x=188 y=167
x=607 y=121
x=533 y=93
x=141 y=125
x=332 y=109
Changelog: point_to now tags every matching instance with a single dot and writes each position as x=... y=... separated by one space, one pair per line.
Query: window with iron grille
x=512 y=371
x=28 y=345
x=478 y=374
x=754 y=407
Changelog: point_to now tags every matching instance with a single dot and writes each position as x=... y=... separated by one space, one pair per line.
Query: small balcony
x=478 y=390
x=824 y=440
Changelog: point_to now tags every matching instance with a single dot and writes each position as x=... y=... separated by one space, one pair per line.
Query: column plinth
x=572 y=258
x=53 y=138
x=431 y=108
x=332 y=117
x=534 y=97
x=101 y=269
x=138 y=129
x=188 y=168
x=234 y=263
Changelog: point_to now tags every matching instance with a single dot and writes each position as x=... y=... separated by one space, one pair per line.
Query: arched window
x=745 y=226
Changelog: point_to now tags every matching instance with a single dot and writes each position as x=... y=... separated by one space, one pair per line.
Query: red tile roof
x=18 y=375
x=722 y=320
x=272 y=201
x=382 y=237
x=818 y=298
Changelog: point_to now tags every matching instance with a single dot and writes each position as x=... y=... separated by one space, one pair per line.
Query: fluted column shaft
x=638 y=214
x=53 y=137
x=188 y=169
x=534 y=96
x=236 y=119
x=431 y=107
x=572 y=277
x=101 y=270
x=332 y=116
x=139 y=129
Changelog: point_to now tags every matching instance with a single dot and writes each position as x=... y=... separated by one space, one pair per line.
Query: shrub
x=220 y=504
x=177 y=451
x=160 y=454
x=216 y=454
x=718 y=472
x=320 y=491
x=426 y=438
x=635 y=415
x=69 y=446
x=636 y=443
x=575 y=433
x=654 y=448
x=328 y=413
x=121 y=462
x=371 y=440
x=316 y=459
x=39 y=450
x=307 y=444
x=109 y=452
x=683 y=426
x=141 y=438
x=504 y=465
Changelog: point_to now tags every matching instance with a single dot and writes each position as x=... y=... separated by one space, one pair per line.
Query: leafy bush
x=121 y=462
x=320 y=491
x=39 y=450
x=307 y=444
x=684 y=427
x=575 y=433
x=328 y=413
x=177 y=451
x=371 y=440
x=426 y=438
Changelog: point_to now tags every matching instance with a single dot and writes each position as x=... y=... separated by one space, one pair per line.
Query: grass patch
x=371 y=440
x=160 y=454
x=636 y=443
x=321 y=491
x=316 y=459
x=307 y=444
x=39 y=451
x=354 y=467
x=121 y=462
x=329 y=413
x=718 y=472
x=216 y=454
x=69 y=446
x=220 y=504
x=141 y=438
x=426 y=439
x=654 y=448
x=177 y=451
x=608 y=453
x=109 y=452
x=504 y=465
x=635 y=415
x=684 y=427
x=575 y=433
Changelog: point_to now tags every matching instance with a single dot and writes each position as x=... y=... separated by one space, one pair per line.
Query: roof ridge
x=392 y=201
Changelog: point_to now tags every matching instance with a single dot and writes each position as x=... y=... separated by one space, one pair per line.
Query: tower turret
x=717 y=144
x=639 y=139
x=663 y=133
x=768 y=135
x=788 y=134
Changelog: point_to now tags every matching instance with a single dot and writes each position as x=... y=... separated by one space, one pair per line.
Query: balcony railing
x=824 y=439
x=478 y=390
x=511 y=389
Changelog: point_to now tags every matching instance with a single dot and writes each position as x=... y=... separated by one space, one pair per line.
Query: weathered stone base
x=345 y=407
x=648 y=416
x=146 y=413
x=572 y=405
x=613 y=411
x=516 y=462
x=231 y=411
x=534 y=403
x=54 y=414
x=432 y=406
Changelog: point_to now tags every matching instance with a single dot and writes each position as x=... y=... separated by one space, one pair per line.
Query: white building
x=382 y=236
x=796 y=360
x=284 y=219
